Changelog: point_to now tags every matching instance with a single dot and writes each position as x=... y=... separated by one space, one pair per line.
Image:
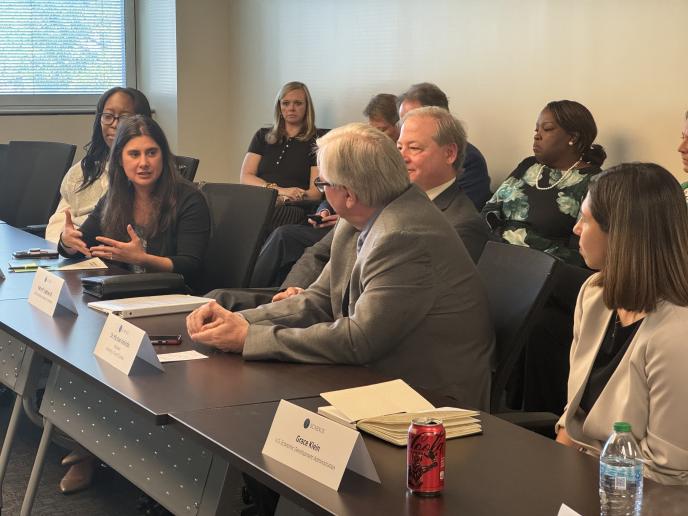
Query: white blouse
x=80 y=203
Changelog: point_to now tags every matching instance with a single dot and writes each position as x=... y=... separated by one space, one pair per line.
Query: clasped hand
x=291 y=193
x=213 y=325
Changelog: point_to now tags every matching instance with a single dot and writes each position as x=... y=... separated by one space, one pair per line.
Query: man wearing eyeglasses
x=398 y=290
x=438 y=132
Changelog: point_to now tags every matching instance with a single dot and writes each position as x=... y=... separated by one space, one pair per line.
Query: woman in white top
x=85 y=183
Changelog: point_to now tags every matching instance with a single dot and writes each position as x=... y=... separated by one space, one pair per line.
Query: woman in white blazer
x=629 y=356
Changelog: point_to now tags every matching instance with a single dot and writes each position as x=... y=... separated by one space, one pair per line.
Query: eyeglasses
x=109 y=118
x=320 y=184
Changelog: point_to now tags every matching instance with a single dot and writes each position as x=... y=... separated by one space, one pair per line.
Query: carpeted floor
x=110 y=494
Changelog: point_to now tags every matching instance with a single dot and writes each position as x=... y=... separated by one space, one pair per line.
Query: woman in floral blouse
x=538 y=204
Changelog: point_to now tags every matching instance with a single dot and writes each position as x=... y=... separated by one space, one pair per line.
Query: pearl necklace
x=564 y=175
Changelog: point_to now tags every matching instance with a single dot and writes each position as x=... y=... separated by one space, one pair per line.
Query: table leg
x=9 y=440
x=35 y=478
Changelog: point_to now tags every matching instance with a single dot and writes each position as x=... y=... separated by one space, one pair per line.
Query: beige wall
x=499 y=61
x=204 y=86
x=74 y=129
x=156 y=61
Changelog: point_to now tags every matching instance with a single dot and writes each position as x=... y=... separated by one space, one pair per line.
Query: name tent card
x=48 y=291
x=316 y=446
x=120 y=342
x=565 y=510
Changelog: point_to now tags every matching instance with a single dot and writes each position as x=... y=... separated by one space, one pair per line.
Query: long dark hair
x=574 y=118
x=97 y=150
x=119 y=199
x=642 y=208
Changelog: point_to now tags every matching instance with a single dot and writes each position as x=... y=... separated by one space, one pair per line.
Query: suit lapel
x=444 y=200
x=593 y=331
x=344 y=255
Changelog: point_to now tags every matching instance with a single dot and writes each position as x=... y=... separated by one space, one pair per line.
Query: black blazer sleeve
x=192 y=231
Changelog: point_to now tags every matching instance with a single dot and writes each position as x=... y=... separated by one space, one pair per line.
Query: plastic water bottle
x=621 y=474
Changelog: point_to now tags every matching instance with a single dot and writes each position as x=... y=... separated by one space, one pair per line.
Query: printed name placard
x=316 y=446
x=565 y=510
x=120 y=342
x=48 y=291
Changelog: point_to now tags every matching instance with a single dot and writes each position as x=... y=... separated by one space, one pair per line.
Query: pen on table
x=24 y=268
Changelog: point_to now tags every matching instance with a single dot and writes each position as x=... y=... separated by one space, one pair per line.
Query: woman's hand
x=292 y=193
x=563 y=437
x=71 y=237
x=126 y=252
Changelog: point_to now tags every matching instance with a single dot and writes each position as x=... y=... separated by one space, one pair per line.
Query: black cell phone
x=166 y=340
x=35 y=253
x=315 y=218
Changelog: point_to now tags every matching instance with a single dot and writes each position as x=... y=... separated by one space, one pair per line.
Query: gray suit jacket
x=416 y=306
x=453 y=202
x=649 y=388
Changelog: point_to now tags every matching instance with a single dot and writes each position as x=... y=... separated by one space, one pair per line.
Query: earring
x=570 y=142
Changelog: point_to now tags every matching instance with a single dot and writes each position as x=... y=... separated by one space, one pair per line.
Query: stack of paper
x=386 y=410
x=393 y=428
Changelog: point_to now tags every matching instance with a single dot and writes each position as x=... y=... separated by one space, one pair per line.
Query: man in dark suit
x=400 y=293
x=475 y=179
x=436 y=130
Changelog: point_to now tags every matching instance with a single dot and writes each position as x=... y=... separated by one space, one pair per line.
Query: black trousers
x=281 y=250
x=547 y=353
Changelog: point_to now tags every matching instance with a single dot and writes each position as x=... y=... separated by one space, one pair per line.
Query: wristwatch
x=271 y=186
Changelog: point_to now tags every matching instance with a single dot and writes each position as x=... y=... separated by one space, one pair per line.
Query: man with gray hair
x=398 y=290
x=433 y=145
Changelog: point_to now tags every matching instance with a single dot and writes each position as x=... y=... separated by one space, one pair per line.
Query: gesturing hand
x=213 y=325
x=72 y=238
x=126 y=252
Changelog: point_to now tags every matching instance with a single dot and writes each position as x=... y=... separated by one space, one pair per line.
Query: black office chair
x=240 y=216
x=187 y=167
x=30 y=185
x=518 y=281
x=4 y=148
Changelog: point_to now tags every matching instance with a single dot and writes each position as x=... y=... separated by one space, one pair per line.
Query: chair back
x=518 y=281
x=240 y=215
x=30 y=185
x=187 y=167
x=4 y=148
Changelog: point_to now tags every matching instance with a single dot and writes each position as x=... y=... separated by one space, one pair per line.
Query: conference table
x=175 y=433
x=124 y=419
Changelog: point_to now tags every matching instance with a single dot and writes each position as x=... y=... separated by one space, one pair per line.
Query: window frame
x=76 y=103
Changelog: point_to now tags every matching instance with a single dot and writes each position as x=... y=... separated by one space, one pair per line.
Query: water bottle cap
x=622 y=426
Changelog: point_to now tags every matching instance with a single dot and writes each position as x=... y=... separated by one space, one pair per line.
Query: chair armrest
x=538 y=422
x=36 y=229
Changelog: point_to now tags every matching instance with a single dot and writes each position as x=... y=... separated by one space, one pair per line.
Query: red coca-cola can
x=425 y=457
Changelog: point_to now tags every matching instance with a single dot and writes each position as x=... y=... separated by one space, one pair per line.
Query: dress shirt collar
x=434 y=192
